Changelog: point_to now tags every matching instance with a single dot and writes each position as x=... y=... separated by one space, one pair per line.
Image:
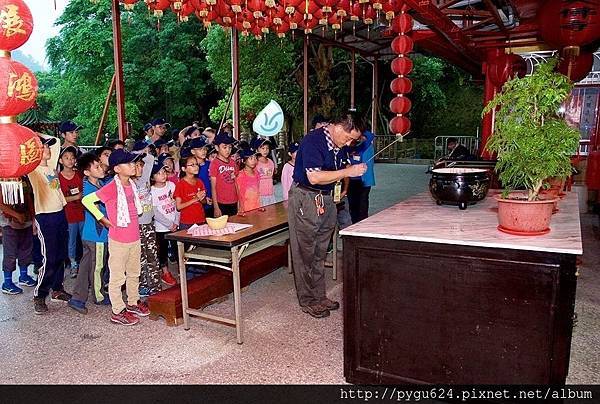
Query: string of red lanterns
x=402 y=65
x=20 y=147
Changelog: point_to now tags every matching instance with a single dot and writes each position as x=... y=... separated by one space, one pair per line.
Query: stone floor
x=282 y=345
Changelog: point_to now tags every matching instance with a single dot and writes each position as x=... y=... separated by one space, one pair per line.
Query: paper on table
x=204 y=230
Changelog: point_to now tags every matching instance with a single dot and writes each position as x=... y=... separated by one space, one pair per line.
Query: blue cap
x=188 y=132
x=139 y=145
x=196 y=143
x=68 y=126
x=121 y=156
x=293 y=147
x=157 y=166
x=49 y=141
x=223 y=138
x=164 y=156
x=161 y=142
x=259 y=141
x=247 y=152
x=185 y=152
x=160 y=121
x=147 y=127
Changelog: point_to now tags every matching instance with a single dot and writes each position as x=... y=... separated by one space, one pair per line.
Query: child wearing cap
x=170 y=169
x=52 y=230
x=288 y=170
x=199 y=149
x=190 y=194
x=71 y=185
x=223 y=172
x=247 y=182
x=17 y=240
x=93 y=269
x=150 y=275
x=265 y=169
x=166 y=217
x=122 y=209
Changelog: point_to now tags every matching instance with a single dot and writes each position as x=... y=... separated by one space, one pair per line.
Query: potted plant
x=532 y=143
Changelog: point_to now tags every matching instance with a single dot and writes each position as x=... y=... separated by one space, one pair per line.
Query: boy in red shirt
x=223 y=172
x=71 y=185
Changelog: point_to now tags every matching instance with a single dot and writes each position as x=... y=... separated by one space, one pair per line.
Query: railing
x=407 y=149
x=441 y=145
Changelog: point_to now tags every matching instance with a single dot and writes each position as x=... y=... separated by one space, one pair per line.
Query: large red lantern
x=402 y=65
x=570 y=22
x=400 y=104
x=18 y=88
x=16 y=24
x=402 y=44
x=401 y=85
x=20 y=150
x=400 y=125
x=402 y=23
x=257 y=7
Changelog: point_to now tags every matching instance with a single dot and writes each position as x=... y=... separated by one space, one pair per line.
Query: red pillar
x=489 y=91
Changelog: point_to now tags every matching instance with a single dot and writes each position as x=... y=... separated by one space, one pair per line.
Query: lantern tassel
x=12 y=191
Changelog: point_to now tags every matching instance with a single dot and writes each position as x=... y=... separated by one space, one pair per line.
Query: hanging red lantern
x=282 y=29
x=321 y=17
x=391 y=8
x=16 y=24
x=308 y=25
x=576 y=67
x=158 y=7
x=401 y=85
x=129 y=5
x=399 y=125
x=256 y=31
x=210 y=17
x=201 y=10
x=265 y=24
x=335 y=21
x=18 y=88
x=505 y=67
x=402 y=44
x=277 y=14
x=327 y=6
x=225 y=15
x=294 y=19
x=400 y=104
x=402 y=23
x=187 y=9
x=308 y=8
x=20 y=150
x=355 y=11
x=246 y=19
x=292 y=5
x=368 y=15
x=236 y=5
x=257 y=7
x=401 y=66
x=566 y=23
x=343 y=8
x=177 y=5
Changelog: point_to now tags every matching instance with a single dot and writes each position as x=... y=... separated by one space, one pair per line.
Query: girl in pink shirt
x=265 y=168
x=247 y=182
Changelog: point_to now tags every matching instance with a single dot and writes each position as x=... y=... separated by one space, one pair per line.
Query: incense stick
x=399 y=139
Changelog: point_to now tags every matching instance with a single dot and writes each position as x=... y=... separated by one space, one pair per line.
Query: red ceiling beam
x=492 y=9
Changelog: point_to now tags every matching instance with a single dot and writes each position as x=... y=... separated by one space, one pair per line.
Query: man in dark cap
x=69 y=131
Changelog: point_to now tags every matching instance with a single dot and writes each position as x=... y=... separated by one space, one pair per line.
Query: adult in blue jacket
x=360 y=187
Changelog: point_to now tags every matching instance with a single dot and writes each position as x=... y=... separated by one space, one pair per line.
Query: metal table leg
x=237 y=295
x=335 y=252
x=289 y=249
x=183 y=282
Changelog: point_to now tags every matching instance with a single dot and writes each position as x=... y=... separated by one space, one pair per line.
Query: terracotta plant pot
x=552 y=193
x=520 y=217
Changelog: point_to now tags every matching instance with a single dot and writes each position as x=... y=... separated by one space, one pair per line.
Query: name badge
x=74 y=191
x=356 y=158
x=337 y=192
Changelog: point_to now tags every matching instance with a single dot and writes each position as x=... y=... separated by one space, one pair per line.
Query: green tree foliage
x=164 y=68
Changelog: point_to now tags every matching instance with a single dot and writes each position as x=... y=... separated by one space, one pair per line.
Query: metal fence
x=441 y=145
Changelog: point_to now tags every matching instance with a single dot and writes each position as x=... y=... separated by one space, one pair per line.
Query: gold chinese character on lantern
x=10 y=21
x=29 y=152
x=20 y=87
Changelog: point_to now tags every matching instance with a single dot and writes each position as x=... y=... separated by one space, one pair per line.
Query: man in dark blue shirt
x=319 y=170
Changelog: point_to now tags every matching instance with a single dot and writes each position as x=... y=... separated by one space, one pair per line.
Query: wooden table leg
x=183 y=282
x=237 y=296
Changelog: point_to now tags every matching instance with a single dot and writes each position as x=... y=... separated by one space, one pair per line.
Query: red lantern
x=327 y=6
x=368 y=14
x=201 y=10
x=400 y=105
x=256 y=31
x=294 y=19
x=569 y=22
x=343 y=8
x=400 y=125
x=402 y=23
x=187 y=9
x=177 y=5
x=580 y=66
x=335 y=21
x=129 y=5
x=224 y=13
x=158 y=7
x=355 y=11
x=210 y=17
x=401 y=66
x=246 y=19
x=391 y=8
x=308 y=25
x=236 y=5
x=401 y=85
x=506 y=66
x=308 y=8
x=16 y=24
x=282 y=29
x=402 y=44
x=292 y=5
x=265 y=24
x=18 y=88
x=257 y=7
x=278 y=14
x=20 y=150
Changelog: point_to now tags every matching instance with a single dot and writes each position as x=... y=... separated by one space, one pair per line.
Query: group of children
x=118 y=206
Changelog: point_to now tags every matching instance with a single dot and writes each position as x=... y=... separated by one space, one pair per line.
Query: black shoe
x=39 y=305
x=330 y=304
x=316 y=310
x=60 y=296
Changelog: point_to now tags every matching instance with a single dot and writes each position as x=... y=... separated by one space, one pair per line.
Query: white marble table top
x=420 y=219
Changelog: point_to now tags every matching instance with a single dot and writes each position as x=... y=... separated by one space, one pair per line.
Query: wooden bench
x=215 y=284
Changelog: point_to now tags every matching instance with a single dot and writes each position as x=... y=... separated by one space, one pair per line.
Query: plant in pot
x=532 y=143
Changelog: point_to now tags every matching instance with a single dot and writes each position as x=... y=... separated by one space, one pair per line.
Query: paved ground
x=282 y=345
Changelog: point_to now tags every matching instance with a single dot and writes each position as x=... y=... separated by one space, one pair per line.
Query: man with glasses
x=318 y=174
